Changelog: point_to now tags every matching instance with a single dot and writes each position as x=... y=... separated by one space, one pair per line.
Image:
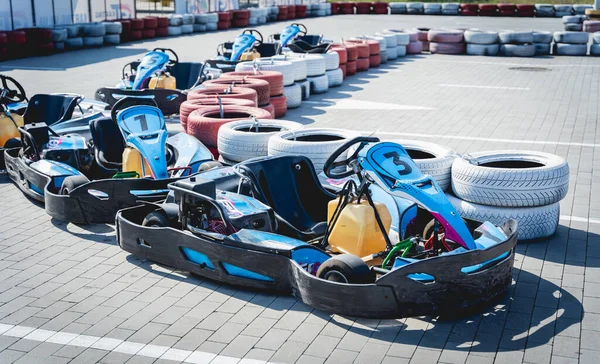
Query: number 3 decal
x=406 y=169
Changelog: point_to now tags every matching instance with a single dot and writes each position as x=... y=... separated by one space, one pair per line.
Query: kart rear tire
x=237 y=143
x=156 y=219
x=346 y=268
x=72 y=182
x=510 y=178
x=532 y=222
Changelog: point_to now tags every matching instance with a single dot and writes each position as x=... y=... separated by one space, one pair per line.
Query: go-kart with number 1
x=279 y=229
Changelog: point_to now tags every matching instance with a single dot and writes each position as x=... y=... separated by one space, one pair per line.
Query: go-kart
x=294 y=38
x=159 y=75
x=279 y=229
x=247 y=46
x=130 y=158
x=66 y=113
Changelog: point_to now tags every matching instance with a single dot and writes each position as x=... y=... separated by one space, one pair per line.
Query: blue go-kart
x=271 y=230
x=247 y=46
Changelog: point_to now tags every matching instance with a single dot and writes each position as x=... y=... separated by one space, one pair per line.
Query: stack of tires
x=224 y=20
x=316 y=68
x=414 y=46
x=188 y=23
x=525 y=10
x=283 y=12
x=59 y=36
x=446 y=41
x=402 y=41
x=335 y=8
x=595 y=47
x=391 y=45
x=544 y=10
x=570 y=43
x=573 y=23
x=276 y=87
x=74 y=40
x=450 y=8
x=301 y=11
x=200 y=21
x=481 y=43
x=591 y=26
x=579 y=9
x=175 y=24
x=291 y=12
x=432 y=8
x=17 y=44
x=137 y=27
x=204 y=100
x=335 y=75
x=241 y=140
x=150 y=26
x=212 y=22
x=352 y=57
x=113 y=33
x=469 y=9
x=346 y=8
x=4 y=46
x=488 y=10
x=273 y=13
x=263 y=14
x=93 y=34
x=561 y=10
x=363 y=8
x=368 y=54
x=241 y=18
x=507 y=9
x=541 y=41
x=397 y=8
x=328 y=9
x=516 y=44
x=300 y=83
x=162 y=29
x=521 y=185
x=262 y=88
x=39 y=41
x=422 y=37
x=383 y=58
x=318 y=9
x=414 y=8
x=125 y=30
x=379 y=8
x=342 y=57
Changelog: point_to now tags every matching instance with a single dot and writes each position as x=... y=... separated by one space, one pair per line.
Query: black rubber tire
x=72 y=182
x=13 y=143
x=156 y=219
x=346 y=268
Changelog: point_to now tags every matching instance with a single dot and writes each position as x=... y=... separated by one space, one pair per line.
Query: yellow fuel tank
x=250 y=56
x=356 y=230
x=7 y=127
x=164 y=81
x=132 y=162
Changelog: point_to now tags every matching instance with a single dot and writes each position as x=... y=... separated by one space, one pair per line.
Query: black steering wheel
x=172 y=60
x=331 y=164
x=259 y=39
x=302 y=27
x=11 y=95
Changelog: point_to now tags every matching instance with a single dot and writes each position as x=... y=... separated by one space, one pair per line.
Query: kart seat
x=108 y=143
x=289 y=184
x=50 y=109
x=301 y=46
x=186 y=74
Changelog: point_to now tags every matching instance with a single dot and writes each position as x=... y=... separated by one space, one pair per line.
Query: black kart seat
x=186 y=74
x=108 y=143
x=50 y=109
x=301 y=46
x=289 y=184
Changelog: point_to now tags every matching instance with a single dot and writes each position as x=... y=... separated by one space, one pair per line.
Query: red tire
x=374 y=61
x=351 y=49
x=469 y=7
x=162 y=32
x=137 y=24
x=351 y=68
x=126 y=30
x=335 y=8
x=16 y=37
x=234 y=93
x=262 y=88
x=343 y=68
x=372 y=44
x=151 y=22
x=414 y=47
x=469 y=13
x=445 y=36
x=512 y=7
x=488 y=13
x=135 y=35
x=346 y=11
x=149 y=33
x=380 y=8
x=506 y=12
x=38 y=35
x=269 y=108
x=362 y=49
x=214 y=151
x=189 y=106
x=280 y=105
x=274 y=78
x=241 y=14
x=362 y=64
x=447 y=48
x=363 y=8
x=487 y=7
x=44 y=49
x=240 y=23
x=224 y=16
x=223 y=25
x=342 y=53
x=204 y=124
x=162 y=22
x=525 y=7
x=3 y=39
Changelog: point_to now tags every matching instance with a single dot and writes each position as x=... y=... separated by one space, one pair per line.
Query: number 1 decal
x=399 y=162
x=143 y=121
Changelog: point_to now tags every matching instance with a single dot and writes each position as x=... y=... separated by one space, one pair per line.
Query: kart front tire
x=156 y=219
x=346 y=268
x=72 y=182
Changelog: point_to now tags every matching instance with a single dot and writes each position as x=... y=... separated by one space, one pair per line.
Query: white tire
x=300 y=71
x=211 y=27
x=241 y=140
x=564 y=49
x=175 y=30
x=432 y=159
x=74 y=43
x=542 y=49
x=293 y=95
x=199 y=28
x=532 y=222
x=93 y=41
x=401 y=51
x=305 y=87
x=315 y=63
x=517 y=50
x=176 y=21
x=595 y=49
x=252 y=20
x=187 y=28
x=188 y=19
x=332 y=60
x=392 y=53
x=335 y=77
x=483 y=49
x=316 y=144
x=391 y=40
x=510 y=178
x=514 y=37
x=113 y=27
x=572 y=37
x=112 y=39
x=73 y=31
x=542 y=37
x=201 y=19
x=318 y=84
x=60 y=35
x=93 y=30
x=475 y=36
x=285 y=67
x=212 y=18
x=402 y=38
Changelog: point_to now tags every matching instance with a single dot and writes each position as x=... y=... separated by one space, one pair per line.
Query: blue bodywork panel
x=152 y=63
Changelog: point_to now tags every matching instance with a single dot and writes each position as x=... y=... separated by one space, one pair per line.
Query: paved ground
x=76 y=297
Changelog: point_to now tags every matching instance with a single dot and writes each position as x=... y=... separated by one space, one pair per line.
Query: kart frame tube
x=392 y=295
